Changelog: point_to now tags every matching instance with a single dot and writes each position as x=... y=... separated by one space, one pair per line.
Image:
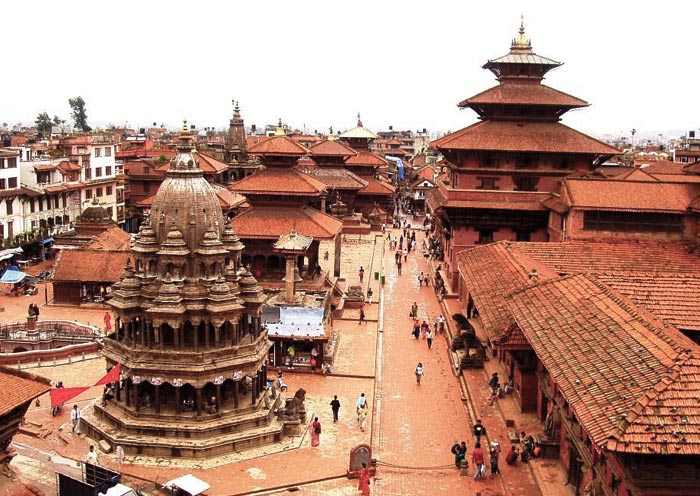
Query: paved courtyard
x=411 y=427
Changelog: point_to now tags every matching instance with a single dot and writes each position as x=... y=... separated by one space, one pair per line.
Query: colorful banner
x=59 y=396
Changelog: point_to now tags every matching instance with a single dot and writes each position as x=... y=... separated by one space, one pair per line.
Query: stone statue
x=549 y=422
x=294 y=407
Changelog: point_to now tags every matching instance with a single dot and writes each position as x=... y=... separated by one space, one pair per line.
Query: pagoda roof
x=270 y=222
x=358 y=132
x=629 y=195
x=338 y=178
x=89 y=265
x=293 y=242
x=367 y=159
x=519 y=136
x=522 y=58
x=523 y=94
x=278 y=145
x=280 y=181
x=377 y=187
x=331 y=148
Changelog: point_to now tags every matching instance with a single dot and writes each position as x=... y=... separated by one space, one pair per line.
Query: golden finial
x=520 y=43
x=280 y=129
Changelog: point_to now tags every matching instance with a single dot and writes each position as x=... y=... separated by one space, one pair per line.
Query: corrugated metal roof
x=359 y=132
x=524 y=58
x=294 y=321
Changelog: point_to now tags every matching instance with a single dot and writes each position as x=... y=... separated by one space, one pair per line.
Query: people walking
x=429 y=338
x=75 y=419
x=424 y=328
x=478 y=461
x=416 y=330
x=360 y=404
x=420 y=279
x=479 y=430
x=335 y=407
x=419 y=372
x=91 y=456
x=494 y=452
x=369 y=296
x=459 y=450
x=414 y=311
x=315 y=430
x=363 y=317
x=361 y=273
x=363 y=417
x=398 y=267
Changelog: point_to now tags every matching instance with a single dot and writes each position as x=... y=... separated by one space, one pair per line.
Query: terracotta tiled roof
x=614 y=194
x=68 y=166
x=90 y=265
x=7 y=193
x=366 y=158
x=114 y=238
x=664 y=278
x=693 y=168
x=19 y=388
x=549 y=137
x=678 y=178
x=394 y=141
x=376 y=187
x=64 y=187
x=332 y=148
x=280 y=181
x=338 y=178
x=635 y=174
x=618 y=397
x=396 y=152
x=228 y=199
x=278 y=145
x=555 y=203
x=491 y=273
x=210 y=165
x=270 y=222
x=530 y=205
x=45 y=167
x=524 y=94
x=665 y=167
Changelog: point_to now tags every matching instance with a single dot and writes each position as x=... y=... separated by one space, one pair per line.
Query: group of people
x=496 y=390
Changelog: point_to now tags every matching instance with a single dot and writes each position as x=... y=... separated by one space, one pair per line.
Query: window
x=108 y=170
x=9 y=206
x=601 y=220
x=98 y=192
x=2 y=230
x=108 y=190
x=526 y=183
x=146 y=170
x=487 y=183
x=63 y=201
x=98 y=171
x=521 y=235
x=485 y=237
x=32 y=207
x=110 y=211
x=55 y=202
x=3 y=184
x=88 y=194
x=12 y=163
x=12 y=182
x=98 y=152
x=108 y=151
x=41 y=204
x=81 y=150
x=88 y=173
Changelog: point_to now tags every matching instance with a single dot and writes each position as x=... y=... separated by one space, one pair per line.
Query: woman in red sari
x=363 y=484
x=315 y=430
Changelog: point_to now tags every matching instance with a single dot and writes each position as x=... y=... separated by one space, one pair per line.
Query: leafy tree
x=43 y=124
x=78 y=113
x=57 y=120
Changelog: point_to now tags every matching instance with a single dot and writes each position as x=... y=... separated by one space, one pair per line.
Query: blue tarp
x=400 y=169
x=47 y=241
x=12 y=275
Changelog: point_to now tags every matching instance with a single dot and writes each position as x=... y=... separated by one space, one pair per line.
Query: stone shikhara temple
x=188 y=332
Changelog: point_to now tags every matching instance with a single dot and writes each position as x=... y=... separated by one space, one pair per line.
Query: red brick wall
x=527 y=388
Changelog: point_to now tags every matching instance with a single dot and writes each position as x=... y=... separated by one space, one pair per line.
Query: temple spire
x=280 y=129
x=520 y=43
x=184 y=160
x=359 y=122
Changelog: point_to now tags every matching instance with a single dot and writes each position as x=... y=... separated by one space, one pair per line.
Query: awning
x=188 y=483
x=12 y=276
x=9 y=253
x=47 y=241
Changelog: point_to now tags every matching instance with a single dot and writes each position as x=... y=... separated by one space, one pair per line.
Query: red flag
x=59 y=396
x=112 y=375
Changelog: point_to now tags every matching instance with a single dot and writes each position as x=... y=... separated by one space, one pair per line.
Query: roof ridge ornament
x=520 y=43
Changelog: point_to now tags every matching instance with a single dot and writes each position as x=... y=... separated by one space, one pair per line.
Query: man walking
x=360 y=404
x=478 y=461
x=419 y=372
x=361 y=273
x=75 y=419
x=335 y=406
x=479 y=430
x=429 y=337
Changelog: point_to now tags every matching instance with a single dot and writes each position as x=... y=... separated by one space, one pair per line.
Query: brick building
x=505 y=165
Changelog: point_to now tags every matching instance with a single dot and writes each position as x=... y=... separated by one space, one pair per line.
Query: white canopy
x=188 y=483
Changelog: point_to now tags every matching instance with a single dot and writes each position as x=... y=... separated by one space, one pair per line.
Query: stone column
x=178 y=403
x=336 y=257
x=118 y=390
x=207 y=326
x=181 y=333
x=219 y=401
x=199 y=402
x=235 y=394
x=254 y=391
x=176 y=337
x=156 y=399
x=159 y=337
x=196 y=337
x=289 y=279
x=137 y=396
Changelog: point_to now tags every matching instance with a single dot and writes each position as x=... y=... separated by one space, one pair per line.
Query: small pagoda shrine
x=188 y=333
x=236 y=148
x=282 y=200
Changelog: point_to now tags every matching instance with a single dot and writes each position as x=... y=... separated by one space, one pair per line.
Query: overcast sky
x=318 y=63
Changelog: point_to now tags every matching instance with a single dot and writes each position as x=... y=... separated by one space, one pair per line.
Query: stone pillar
x=196 y=337
x=254 y=391
x=235 y=394
x=178 y=403
x=324 y=196
x=159 y=337
x=219 y=401
x=118 y=390
x=137 y=397
x=31 y=324
x=156 y=399
x=139 y=326
x=336 y=257
x=199 y=402
x=207 y=326
x=127 y=383
x=181 y=333
x=289 y=279
x=176 y=337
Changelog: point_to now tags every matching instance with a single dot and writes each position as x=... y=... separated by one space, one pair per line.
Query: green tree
x=43 y=124
x=78 y=113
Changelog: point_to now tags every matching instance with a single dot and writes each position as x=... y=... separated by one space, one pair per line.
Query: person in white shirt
x=75 y=418
x=91 y=456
